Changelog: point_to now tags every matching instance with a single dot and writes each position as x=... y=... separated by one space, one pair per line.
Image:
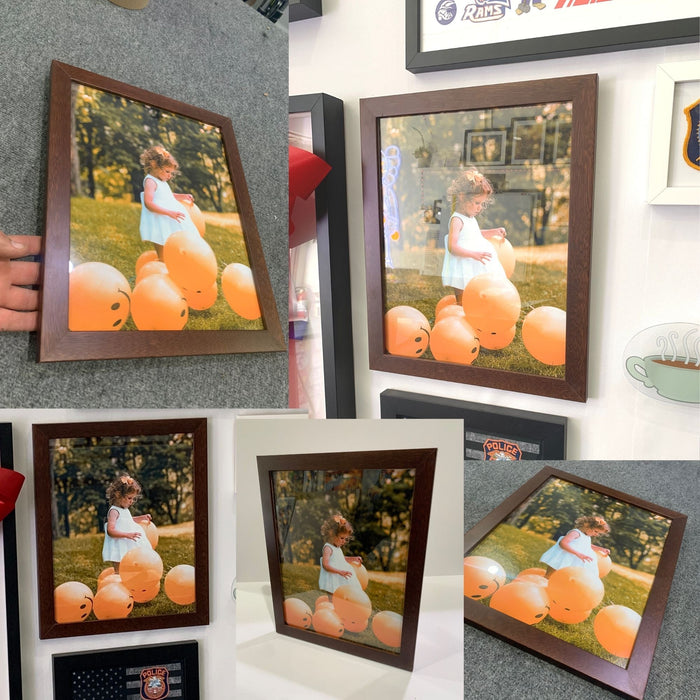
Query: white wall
x=644 y=259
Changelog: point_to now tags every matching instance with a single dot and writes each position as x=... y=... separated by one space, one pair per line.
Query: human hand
x=177 y=215
x=481 y=256
x=585 y=557
x=501 y=232
x=346 y=574
x=18 y=306
x=132 y=535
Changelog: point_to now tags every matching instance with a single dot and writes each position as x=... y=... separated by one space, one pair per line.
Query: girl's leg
x=458 y=294
x=159 y=250
x=549 y=571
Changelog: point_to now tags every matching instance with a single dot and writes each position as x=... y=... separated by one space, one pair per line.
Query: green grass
x=517 y=549
x=542 y=285
x=80 y=559
x=301 y=581
x=108 y=232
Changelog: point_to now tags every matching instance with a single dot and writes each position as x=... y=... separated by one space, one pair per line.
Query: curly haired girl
x=336 y=568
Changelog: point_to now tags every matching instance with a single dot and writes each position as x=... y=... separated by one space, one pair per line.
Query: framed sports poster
x=443 y=34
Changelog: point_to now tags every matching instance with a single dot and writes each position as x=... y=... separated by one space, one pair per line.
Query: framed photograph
x=446 y=34
x=493 y=296
x=157 y=671
x=485 y=146
x=490 y=432
x=10 y=651
x=304 y=9
x=346 y=536
x=121 y=520
x=577 y=573
x=674 y=168
x=321 y=369
x=151 y=245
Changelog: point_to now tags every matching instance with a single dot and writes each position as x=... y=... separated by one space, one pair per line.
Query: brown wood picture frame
x=74 y=463
x=629 y=677
x=240 y=332
x=391 y=283
x=335 y=475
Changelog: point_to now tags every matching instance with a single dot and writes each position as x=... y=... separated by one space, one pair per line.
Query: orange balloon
x=534 y=571
x=449 y=300
x=506 y=254
x=497 y=340
x=151 y=533
x=527 y=602
x=113 y=602
x=356 y=625
x=158 y=304
x=576 y=588
x=201 y=300
x=105 y=572
x=327 y=605
x=297 y=613
x=453 y=340
x=406 y=331
x=544 y=335
x=191 y=261
x=387 y=626
x=144 y=258
x=351 y=603
x=450 y=310
x=140 y=567
x=604 y=564
x=326 y=621
x=179 y=584
x=238 y=286
x=616 y=628
x=567 y=615
x=482 y=577
x=361 y=574
x=537 y=579
x=106 y=580
x=98 y=298
x=146 y=593
x=491 y=303
x=154 y=267
x=197 y=217
x=322 y=599
x=72 y=602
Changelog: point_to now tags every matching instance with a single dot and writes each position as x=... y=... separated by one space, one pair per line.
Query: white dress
x=114 y=548
x=328 y=581
x=158 y=227
x=458 y=270
x=558 y=558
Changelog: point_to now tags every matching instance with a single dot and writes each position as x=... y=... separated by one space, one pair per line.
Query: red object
x=306 y=172
x=10 y=486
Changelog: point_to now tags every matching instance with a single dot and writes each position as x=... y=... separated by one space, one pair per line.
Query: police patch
x=154 y=683
x=691 y=144
x=496 y=449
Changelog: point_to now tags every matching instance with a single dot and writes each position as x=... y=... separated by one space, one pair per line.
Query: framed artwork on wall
x=157 y=671
x=133 y=268
x=321 y=372
x=674 y=168
x=346 y=536
x=10 y=651
x=122 y=527
x=445 y=34
x=490 y=432
x=577 y=573
x=522 y=323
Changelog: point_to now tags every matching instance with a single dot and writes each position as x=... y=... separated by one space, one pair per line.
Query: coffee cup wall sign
x=663 y=362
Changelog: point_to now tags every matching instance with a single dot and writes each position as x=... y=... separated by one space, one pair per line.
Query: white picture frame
x=664 y=138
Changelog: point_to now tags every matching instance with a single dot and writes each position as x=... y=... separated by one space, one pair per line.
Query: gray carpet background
x=220 y=55
x=496 y=669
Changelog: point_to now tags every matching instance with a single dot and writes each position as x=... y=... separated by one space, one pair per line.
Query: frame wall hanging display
x=523 y=321
x=10 y=651
x=320 y=322
x=125 y=275
x=158 y=671
x=304 y=9
x=121 y=519
x=346 y=536
x=599 y=618
x=445 y=34
x=674 y=168
x=490 y=432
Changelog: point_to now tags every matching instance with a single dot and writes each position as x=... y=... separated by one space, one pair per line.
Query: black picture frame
x=328 y=136
x=627 y=680
x=480 y=136
x=182 y=657
x=421 y=462
x=304 y=9
x=490 y=432
x=621 y=38
x=11 y=667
